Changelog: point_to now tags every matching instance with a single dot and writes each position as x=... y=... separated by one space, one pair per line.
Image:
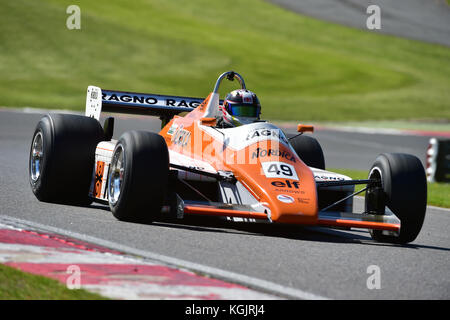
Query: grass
x=393 y=124
x=438 y=193
x=301 y=68
x=18 y=285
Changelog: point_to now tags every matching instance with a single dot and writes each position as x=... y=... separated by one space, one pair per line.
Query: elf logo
x=285 y=198
x=286 y=184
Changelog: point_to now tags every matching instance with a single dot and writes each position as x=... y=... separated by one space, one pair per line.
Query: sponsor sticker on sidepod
x=285 y=198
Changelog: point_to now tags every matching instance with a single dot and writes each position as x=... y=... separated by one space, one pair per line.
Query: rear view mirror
x=305 y=128
x=210 y=122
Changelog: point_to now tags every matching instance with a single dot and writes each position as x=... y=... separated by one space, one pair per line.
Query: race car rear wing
x=165 y=107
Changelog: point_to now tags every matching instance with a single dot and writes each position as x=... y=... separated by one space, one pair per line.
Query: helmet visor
x=244 y=111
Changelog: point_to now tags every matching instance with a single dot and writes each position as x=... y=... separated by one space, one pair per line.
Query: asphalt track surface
x=425 y=20
x=324 y=262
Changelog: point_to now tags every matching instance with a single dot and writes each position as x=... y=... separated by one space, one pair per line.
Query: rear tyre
x=403 y=191
x=62 y=157
x=309 y=151
x=138 y=176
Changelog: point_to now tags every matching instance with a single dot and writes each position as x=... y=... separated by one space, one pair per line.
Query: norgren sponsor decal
x=150 y=100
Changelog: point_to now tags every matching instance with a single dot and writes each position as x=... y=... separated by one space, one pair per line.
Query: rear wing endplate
x=98 y=100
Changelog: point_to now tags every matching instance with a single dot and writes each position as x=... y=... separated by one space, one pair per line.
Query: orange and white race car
x=246 y=172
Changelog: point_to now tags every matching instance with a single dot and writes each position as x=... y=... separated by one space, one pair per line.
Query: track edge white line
x=247 y=281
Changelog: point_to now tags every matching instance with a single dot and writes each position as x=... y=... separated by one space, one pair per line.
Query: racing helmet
x=242 y=103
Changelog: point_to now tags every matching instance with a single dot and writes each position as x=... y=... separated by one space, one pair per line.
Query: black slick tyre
x=309 y=151
x=138 y=176
x=403 y=191
x=62 y=156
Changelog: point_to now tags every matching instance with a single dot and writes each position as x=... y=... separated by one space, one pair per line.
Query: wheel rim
x=37 y=154
x=116 y=174
x=375 y=193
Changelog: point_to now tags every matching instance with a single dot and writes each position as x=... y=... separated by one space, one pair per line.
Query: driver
x=239 y=107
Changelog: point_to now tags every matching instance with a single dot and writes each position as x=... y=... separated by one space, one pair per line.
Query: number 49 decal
x=275 y=169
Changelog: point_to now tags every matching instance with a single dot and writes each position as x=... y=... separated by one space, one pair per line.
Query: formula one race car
x=251 y=172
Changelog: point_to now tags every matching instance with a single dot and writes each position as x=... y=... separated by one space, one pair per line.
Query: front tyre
x=138 y=176
x=403 y=191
